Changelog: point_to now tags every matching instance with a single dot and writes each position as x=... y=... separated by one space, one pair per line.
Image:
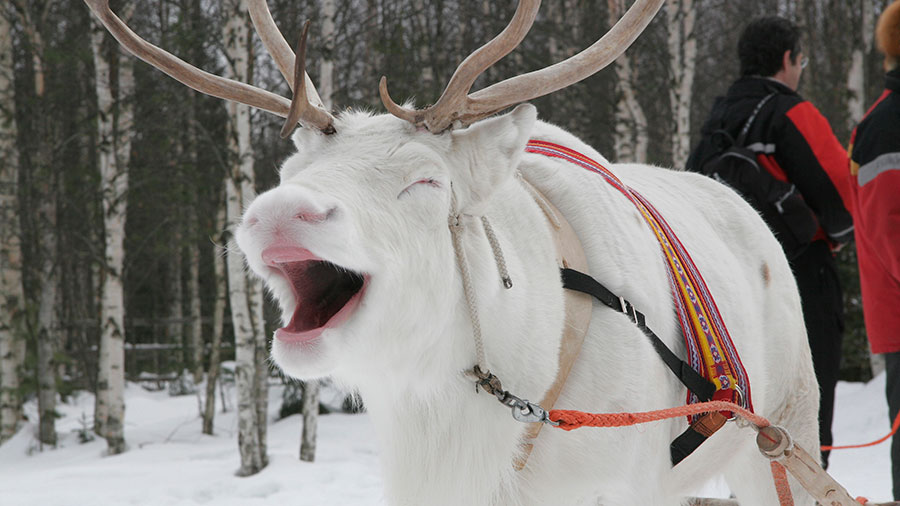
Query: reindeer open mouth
x=325 y=294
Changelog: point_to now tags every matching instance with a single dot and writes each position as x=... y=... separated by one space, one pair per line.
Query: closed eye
x=425 y=181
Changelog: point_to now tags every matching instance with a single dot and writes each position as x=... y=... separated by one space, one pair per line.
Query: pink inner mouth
x=326 y=294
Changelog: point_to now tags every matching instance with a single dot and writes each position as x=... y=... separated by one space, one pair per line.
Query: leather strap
x=578 y=306
x=695 y=435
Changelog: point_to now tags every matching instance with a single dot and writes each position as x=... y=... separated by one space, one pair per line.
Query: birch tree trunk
x=195 y=327
x=242 y=295
x=12 y=296
x=261 y=363
x=47 y=276
x=423 y=48
x=105 y=155
x=631 y=139
x=47 y=325
x=681 y=15
x=212 y=374
x=856 y=75
x=175 y=288
x=787 y=8
x=115 y=250
x=115 y=122
x=371 y=36
x=310 y=406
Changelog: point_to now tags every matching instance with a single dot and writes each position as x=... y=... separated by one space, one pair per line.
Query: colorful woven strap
x=710 y=349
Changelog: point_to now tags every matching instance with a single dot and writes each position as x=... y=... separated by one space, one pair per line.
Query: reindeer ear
x=307 y=139
x=489 y=153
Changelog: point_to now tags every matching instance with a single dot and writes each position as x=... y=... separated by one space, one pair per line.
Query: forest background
x=118 y=185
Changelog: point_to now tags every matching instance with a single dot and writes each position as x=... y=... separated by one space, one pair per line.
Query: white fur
x=407 y=345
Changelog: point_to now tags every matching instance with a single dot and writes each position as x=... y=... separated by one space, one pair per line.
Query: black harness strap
x=580 y=282
x=704 y=389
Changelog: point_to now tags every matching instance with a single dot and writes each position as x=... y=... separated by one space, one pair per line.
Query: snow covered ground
x=169 y=461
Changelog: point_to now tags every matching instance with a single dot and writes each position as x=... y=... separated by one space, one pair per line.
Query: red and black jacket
x=875 y=182
x=793 y=142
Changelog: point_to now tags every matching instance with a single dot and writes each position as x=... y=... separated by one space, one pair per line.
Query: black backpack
x=779 y=202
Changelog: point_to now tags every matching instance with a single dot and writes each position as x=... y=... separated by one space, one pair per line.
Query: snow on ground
x=169 y=461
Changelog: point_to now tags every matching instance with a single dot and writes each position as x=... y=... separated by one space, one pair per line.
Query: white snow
x=170 y=462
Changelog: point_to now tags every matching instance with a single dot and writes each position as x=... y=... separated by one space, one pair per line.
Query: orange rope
x=873 y=443
x=782 y=487
x=569 y=419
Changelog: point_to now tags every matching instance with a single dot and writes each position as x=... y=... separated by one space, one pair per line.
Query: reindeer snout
x=284 y=207
x=289 y=222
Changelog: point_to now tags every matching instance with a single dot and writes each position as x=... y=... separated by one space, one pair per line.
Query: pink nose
x=282 y=253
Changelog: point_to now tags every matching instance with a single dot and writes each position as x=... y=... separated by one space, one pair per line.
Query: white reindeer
x=355 y=246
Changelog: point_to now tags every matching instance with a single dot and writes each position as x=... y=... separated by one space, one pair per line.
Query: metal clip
x=528 y=412
x=522 y=410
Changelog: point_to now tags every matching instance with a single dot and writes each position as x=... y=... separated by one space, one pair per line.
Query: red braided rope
x=782 y=487
x=570 y=419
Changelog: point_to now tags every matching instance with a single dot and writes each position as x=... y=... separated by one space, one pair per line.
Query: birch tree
x=255 y=297
x=251 y=430
x=310 y=407
x=631 y=139
x=175 y=288
x=681 y=15
x=115 y=131
x=212 y=373
x=12 y=295
x=46 y=190
x=195 y=327
x=194 y=342
x=856 y=74
x=423 y=53
x=104 y=154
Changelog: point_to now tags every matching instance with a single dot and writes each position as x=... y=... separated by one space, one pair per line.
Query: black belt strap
x=704 y=389
x=580 y=282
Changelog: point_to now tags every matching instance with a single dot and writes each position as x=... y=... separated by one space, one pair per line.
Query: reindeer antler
x=311 y=110
x=303 y=109
x=314 y=116
x=457 y=105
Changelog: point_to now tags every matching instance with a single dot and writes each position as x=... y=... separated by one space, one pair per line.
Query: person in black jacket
x=794 y=143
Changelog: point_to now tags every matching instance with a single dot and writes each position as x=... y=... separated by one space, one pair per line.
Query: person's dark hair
x=763 y=43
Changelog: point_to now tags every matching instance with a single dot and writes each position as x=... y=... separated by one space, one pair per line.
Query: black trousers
x=823 y=312
x=892 y=391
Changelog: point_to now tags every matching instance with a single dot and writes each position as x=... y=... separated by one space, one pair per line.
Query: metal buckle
x=627 y=309
x=739 y=401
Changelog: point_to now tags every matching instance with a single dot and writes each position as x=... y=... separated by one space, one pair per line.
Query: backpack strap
x=742 y=137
